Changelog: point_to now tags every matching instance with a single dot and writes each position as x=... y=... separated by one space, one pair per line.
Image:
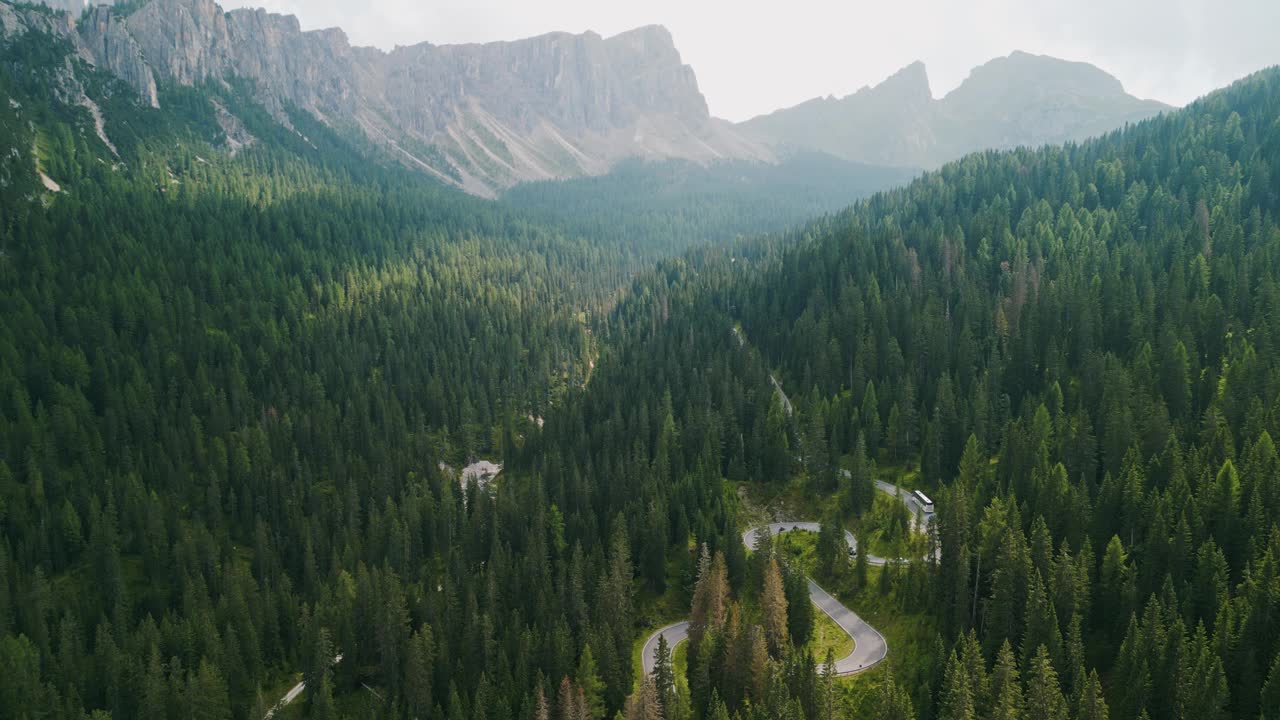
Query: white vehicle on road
x=925 y=503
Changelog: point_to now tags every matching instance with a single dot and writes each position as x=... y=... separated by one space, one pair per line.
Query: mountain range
x=1012 y=101
x=485 y=117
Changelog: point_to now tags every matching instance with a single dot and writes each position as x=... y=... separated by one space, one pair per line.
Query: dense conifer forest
x=234 y=385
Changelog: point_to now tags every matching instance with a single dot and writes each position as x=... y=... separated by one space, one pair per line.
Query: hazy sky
x=753 y=57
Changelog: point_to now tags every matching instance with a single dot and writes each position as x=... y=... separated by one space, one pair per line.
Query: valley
x=506 y=381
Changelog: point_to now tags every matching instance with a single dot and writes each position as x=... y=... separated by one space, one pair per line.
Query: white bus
x=925 y=503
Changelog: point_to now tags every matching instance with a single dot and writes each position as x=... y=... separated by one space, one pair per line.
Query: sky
x=754 y=57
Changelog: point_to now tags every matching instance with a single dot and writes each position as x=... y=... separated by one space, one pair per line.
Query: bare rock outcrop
x=112 y=47
x=483 y=116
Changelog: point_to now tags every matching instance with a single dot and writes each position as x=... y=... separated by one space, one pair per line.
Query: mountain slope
x=483 y=117
x=1013 y=101
x=1075 y=351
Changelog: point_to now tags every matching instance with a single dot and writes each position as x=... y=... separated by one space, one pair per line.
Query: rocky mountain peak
x=1024 y=72
x=911 y=83
x=651 y=41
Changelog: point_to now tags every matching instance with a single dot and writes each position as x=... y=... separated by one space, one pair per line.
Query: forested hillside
x=229 y=374
x=235 y=356
x=1075 y=348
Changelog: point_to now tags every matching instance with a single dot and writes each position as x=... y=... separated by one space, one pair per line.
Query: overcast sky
x=752 y=57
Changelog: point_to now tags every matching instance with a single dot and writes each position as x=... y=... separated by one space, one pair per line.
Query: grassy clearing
x=680 y=662
x=827 y=636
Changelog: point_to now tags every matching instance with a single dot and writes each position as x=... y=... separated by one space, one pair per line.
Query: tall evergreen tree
x=773 y=606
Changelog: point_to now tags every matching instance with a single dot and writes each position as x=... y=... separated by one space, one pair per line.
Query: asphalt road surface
x=292 y=695
x=869 y=647
x=676 y=634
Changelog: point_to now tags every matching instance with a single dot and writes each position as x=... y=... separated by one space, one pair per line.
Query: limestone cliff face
x=482 y=116
x=111 y=46
x=558 y=105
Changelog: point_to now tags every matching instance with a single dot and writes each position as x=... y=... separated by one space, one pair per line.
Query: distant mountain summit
x=889 y=124
x=483 y=117
x=1021 y=99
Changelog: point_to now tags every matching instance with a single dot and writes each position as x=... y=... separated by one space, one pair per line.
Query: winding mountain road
x=869 y=646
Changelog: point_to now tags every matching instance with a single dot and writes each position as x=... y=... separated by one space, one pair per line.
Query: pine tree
x=718 y=709
x=1009 y=585
x=859 y=492
x=710 y=597
x=1201 y=682
x=419 y=673
x=644 y=703
x=870 y=417
x=588 y=680
x=567 y=700
x=800 y=609
x=1269 y=701
x=1091 y=705
x=21 y=692
x=860 y=565
x=206 y=695
x=1115 y=585
x=542 y=709
x=699 y=673
x=1006 y=687
x=827 y=688
x=614 y=613
x=773 y=606
x=321 y=704
x=1044 y=699
x=1075 y=659
x=893 y=702
x=957 y=701
x=1041 y=623
x=761 y=667
x=664 y=675
x=817 y=449
x=895 y=435
x=975 y=664
x=832 y=549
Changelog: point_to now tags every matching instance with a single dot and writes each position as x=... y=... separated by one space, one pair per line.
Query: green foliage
x=227 y=385
x=1022 y=312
